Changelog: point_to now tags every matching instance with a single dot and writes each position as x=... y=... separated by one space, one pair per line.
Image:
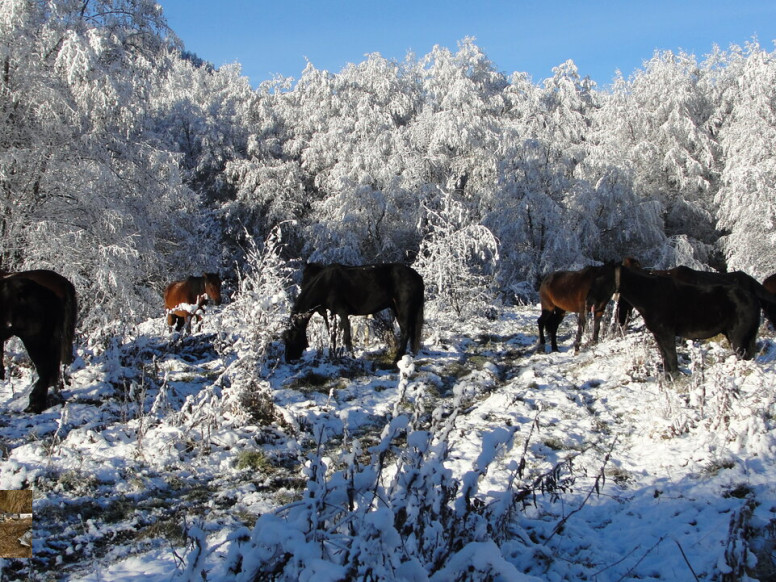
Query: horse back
x=49 y=279
x=178 y=292
x=360 y=290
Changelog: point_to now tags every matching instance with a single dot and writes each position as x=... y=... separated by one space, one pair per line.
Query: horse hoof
x=35 y=408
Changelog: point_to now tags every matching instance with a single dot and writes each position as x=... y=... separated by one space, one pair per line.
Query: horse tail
x=417 y=337
x=767 y=301
x=417 y=334
x=67 y=334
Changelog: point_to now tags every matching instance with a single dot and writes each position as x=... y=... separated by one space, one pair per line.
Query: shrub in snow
x=393 y=512
x=457 y=260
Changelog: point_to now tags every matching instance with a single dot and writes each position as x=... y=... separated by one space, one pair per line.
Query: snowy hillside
x=127 y=162
x=552 y=466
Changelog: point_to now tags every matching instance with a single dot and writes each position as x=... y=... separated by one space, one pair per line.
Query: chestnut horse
x=37 y=316
x=564 y=291
x=699 y=310
x=363 y=290
x=184 y=299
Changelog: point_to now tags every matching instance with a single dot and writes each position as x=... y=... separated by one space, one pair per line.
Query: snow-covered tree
x=457 y=261
x=85 y=189
x=659 y=120
x=528 y=207
x=747 y=199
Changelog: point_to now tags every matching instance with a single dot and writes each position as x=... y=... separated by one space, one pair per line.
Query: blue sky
x=280 y=36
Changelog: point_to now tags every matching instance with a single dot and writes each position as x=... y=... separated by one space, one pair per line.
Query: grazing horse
x=766 y=298
x=65 y=291
x=37 y=316
x=183 y=299
x=700 y=310
x=564 y=291
x=363 y=290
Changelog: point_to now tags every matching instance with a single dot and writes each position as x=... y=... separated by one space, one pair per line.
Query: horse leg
x=416 y=337
x=175 y=322
x=552 y=326
x=546 y=314
x=46 y=358
x=346 y=338
x=405 y=323
x=581 y=323
x=666 y=343
x=597 y=315
x=2 y=360
x=624 y=311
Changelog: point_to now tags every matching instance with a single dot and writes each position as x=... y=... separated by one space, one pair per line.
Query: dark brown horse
x=65 y=291
x=184 y=299
x=358 y=291
x=682 y=274
x=700 y=310
x=564 y=291
x=37 y=316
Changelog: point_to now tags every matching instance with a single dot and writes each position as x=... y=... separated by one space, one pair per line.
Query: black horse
x=363 y=290
x=310 y=271
x=740 y=279
x=700 y=310
x=36 y=315
x=65 y=291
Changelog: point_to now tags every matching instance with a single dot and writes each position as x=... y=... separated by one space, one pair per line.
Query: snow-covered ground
x=590 y=466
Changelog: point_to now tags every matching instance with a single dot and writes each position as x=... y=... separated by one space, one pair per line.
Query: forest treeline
x=126 y=162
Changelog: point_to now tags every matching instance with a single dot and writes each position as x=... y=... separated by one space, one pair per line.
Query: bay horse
x=186 y=298
x=365 y=290
x=563 y=291
x=698 y=310
x=37 y=316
